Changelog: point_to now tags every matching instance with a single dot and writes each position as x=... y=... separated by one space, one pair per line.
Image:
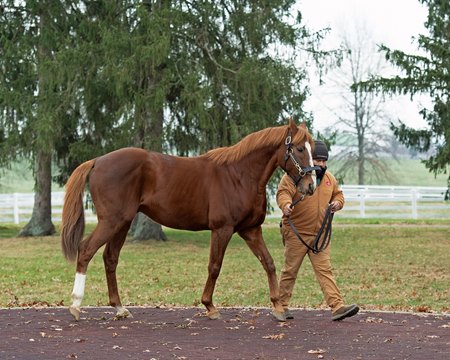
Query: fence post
x=16 y=208
x=362 y=203
x=414 y=194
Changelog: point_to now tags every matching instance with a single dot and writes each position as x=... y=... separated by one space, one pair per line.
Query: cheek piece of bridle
x=320 y=242
x=302 y=170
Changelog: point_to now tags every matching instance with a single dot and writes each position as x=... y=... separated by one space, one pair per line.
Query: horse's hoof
x=75 y=311
x=214 y=314
x=278 y=315
x=122 y=313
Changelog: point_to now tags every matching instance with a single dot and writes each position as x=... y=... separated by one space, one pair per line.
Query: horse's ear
x=303 y=125
x=293 y=126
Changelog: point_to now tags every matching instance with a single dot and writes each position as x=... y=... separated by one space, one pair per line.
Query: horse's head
x=297 y=160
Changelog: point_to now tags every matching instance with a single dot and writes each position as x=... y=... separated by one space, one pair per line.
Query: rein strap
x=317 y=247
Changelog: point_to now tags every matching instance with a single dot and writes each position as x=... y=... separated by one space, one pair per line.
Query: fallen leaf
x=232 y=327
x=317 y=351
x=284 y=324
x=374 y=320
x=423 y=309
x=274 y=337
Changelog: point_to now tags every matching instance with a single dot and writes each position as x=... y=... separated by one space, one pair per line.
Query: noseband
x=302 y=171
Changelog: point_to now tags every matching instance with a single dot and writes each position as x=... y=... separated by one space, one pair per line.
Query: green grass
x=19 y=179
x=406 y=172
x=379 y=267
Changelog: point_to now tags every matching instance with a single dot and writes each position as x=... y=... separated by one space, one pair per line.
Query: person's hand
x=335 y=206
x=288 y=210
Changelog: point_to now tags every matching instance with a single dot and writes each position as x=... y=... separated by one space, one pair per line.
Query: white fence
x=17 y=208
x=399 y=202
x=361 y=202
x=393 y=202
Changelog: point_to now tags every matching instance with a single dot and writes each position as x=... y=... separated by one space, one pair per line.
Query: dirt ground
x=242 y=333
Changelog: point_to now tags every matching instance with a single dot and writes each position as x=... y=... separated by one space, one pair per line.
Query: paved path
x=242 y=333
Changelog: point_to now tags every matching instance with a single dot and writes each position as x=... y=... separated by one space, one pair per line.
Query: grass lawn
x=405 y=172
x=387 y=266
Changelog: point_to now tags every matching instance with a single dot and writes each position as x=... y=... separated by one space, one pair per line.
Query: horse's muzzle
x=306 y=189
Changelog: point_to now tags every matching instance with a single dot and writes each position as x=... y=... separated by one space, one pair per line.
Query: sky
x=391 y=22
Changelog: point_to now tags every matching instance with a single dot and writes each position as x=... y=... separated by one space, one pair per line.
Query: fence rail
x=17 y=208
x=398 y=202
x=394 y=202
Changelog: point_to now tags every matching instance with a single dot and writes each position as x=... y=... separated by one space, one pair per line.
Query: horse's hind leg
x=255 y=242
x=219 y=242
x=111 y=259
x=87 y=249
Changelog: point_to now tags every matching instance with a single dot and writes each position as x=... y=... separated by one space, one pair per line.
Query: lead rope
x=326 y=225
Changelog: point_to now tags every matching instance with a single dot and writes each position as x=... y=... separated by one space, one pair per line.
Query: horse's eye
x=300 y=149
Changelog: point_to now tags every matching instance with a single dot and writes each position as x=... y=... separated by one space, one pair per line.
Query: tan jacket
x=309 y=213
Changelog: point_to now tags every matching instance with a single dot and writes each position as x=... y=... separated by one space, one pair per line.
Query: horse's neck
x=257 y=168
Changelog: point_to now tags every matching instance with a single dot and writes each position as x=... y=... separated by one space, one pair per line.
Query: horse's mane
x=273 y=136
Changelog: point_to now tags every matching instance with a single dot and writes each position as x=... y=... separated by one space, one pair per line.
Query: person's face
x=320 y=162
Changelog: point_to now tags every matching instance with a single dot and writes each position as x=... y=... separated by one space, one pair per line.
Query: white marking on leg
x=78 y=289
x=311 y=163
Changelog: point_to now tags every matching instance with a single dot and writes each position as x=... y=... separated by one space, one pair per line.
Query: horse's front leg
x=219 y=242
x=255 y=242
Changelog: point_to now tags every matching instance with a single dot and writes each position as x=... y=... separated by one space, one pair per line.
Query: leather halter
x=302 y=170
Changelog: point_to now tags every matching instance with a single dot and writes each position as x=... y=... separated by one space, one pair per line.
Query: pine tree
x=183 y=77
x=427 y=73
x=31 y=101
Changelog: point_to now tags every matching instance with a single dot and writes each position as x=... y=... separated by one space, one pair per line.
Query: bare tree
x=362 y=126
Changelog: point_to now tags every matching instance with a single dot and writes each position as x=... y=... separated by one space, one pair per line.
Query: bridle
x=322 y=239
x=302 y=170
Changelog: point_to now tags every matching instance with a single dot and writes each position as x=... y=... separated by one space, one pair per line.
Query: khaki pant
x=294 y=252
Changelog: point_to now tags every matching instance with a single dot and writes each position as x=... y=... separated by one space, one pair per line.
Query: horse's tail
x=72 y=226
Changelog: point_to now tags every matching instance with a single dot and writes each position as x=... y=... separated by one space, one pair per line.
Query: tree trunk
x=149 y=137
x=144 y=228
x=40 y=223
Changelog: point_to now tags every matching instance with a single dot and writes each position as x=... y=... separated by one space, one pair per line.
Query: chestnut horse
x=223 y=190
